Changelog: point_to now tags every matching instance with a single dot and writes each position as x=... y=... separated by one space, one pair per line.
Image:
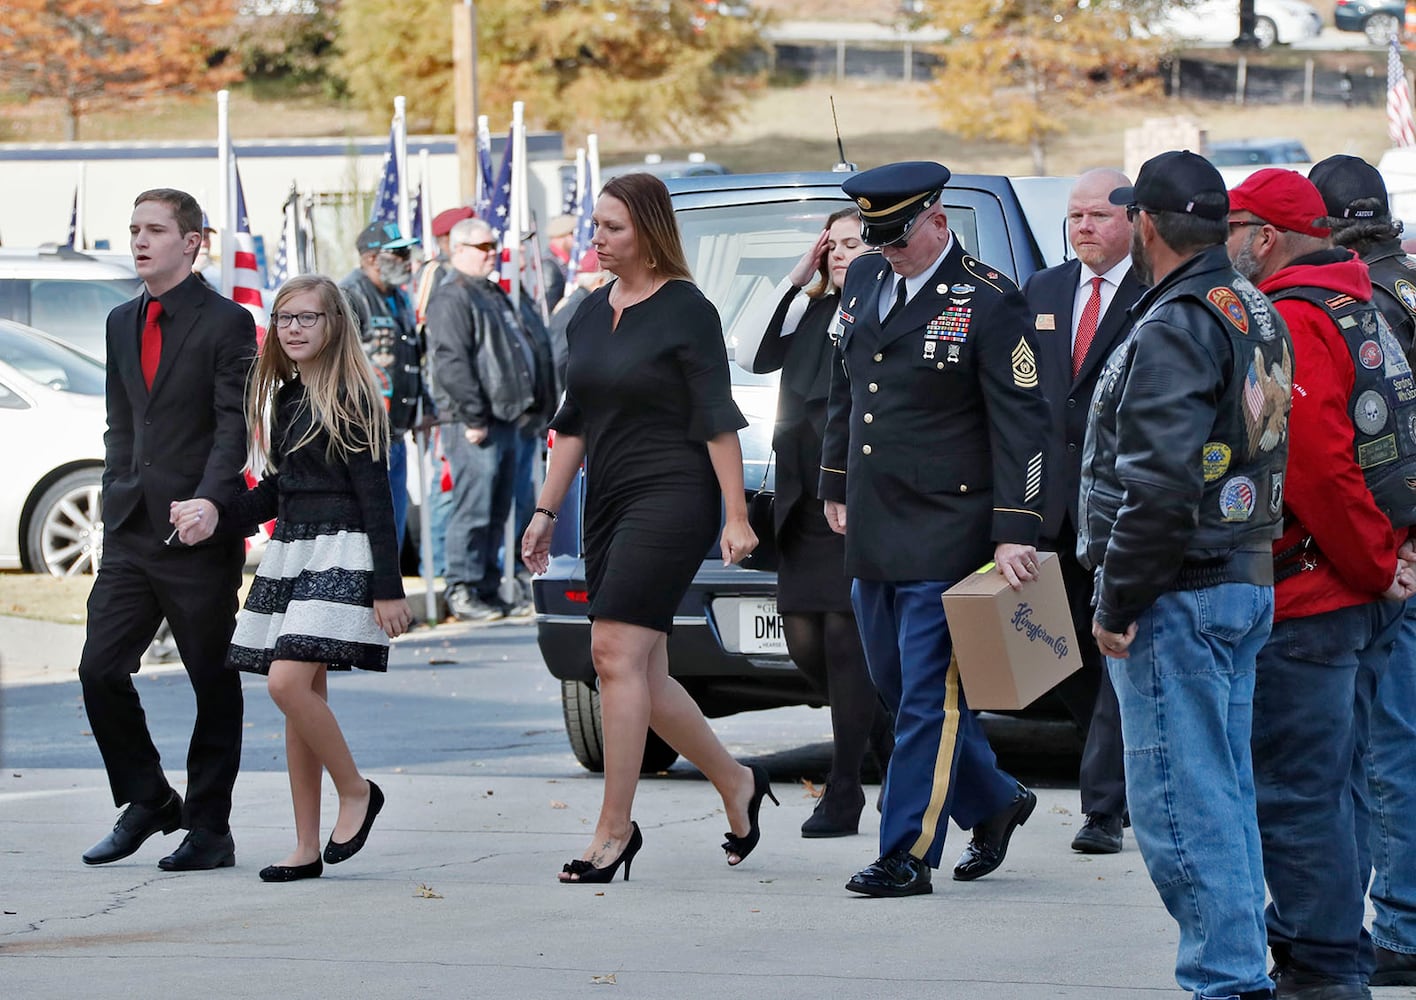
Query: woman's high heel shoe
x=743 y=846
x=584 y=871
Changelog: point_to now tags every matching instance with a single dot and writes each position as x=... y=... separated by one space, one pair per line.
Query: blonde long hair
x=339 y=388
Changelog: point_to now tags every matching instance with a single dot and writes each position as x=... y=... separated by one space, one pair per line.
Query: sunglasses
x=484 y=247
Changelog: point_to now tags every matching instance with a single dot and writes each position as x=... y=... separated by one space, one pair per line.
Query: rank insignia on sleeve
x=1045 y=321
x=1406 y=292
x=1024 y=366
x=1228 y=303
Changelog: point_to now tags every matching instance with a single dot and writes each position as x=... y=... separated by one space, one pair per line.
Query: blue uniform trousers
x=942 y=766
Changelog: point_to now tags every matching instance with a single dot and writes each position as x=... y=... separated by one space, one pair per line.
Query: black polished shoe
x=201 y=850
x=989 y=845
x=898 y=874
x=1100 y=834
x=837 y=812
x=335 y=853
x=137 y=824
x=1297 y=983
x=1394 y=968
x=292 y=873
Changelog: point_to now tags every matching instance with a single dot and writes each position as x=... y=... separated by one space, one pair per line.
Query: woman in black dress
x=813 y=591
x=649 y=409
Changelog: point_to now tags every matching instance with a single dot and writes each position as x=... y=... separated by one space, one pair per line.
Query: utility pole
x=464 y=99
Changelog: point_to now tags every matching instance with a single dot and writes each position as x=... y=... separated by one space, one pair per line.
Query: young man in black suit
x=178 y=356
x=1081 y=311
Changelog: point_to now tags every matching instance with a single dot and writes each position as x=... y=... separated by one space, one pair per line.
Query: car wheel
x=580 y=704
x=1382 y=28
x=1265 y=32
x=64 y=536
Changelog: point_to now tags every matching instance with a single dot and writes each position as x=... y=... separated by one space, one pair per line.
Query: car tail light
x=578 y=596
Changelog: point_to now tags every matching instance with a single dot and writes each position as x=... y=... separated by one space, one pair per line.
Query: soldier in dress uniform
x=932 y=465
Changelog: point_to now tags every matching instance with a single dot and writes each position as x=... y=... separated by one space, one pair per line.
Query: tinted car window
x=739 y=253
x=51 y=364
x=76 y=311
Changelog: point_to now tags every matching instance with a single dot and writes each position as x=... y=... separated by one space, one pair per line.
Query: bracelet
x=549 y=513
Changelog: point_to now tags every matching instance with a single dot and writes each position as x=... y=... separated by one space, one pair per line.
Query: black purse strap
x=767 y=470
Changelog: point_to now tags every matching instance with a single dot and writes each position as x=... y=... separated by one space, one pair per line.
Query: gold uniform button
x=865 y=449
x=963 y=487
x=874 y=387
x=879 y=357
x=938 y=364
x=869 y=418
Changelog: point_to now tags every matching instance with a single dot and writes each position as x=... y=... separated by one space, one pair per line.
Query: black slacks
x=140 y=582
x=1088 y=695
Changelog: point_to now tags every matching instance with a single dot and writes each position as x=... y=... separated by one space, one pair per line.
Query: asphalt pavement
x=455 y=894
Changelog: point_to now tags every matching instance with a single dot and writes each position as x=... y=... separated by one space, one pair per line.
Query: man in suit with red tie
x=178 y=356
x=1081 y=311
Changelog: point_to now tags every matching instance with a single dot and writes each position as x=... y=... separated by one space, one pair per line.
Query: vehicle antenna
x=843 y=166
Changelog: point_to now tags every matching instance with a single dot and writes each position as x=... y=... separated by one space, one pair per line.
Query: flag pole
x=427 y=470
x=227 y=199
x=400 y=154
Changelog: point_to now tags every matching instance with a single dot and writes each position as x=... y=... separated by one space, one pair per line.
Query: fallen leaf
x=812 y=789
x=754 y=911
x=1060 y=811
x=605 y=980
x=426 y=892
x=438 y=663
x=490 y=793
x=557 y=804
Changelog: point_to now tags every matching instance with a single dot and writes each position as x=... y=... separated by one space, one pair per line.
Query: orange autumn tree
x=90 y=53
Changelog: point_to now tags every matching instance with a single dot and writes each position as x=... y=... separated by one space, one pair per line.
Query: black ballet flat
x=743 y=846
x=292 y=873
x=335 y=853
x=584 y=871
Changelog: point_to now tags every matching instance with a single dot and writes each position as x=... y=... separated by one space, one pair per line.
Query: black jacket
x=1183 y=488
x=936 y=426
x=481 y=369
x=1394 y=290
x=187 y=436
x=1051 y=295
x=390 y=338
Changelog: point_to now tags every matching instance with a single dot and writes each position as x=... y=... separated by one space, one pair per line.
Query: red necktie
x=1086 y=326
x=151 y=349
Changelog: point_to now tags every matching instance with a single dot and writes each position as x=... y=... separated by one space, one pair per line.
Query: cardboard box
x=1013 y=646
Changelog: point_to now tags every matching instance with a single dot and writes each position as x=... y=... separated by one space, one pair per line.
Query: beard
x=1139 y=261
x=395 y=273
x=1246 y=263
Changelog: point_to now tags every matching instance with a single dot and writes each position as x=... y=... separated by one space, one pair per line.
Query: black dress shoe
x=898 y=874
x=1297 y=983
x=292 y=873
x=989 y=845
x=837 y=812
x=335 y=853
x=137 y=824
x=201 y=850
x=1394 y=968
x=1100 y=834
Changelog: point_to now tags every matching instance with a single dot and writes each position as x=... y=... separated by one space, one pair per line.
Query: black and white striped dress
x=333 y=552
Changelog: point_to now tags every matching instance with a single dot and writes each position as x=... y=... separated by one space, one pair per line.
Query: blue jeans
x=1386 y=800
x=942 y=765
x=528 y=448
x=1305 y=761
x=398 y=482
x=1186 y=697
x=439 y=508
x=483 y=478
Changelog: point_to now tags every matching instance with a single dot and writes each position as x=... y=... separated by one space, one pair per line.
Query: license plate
x=760 y=628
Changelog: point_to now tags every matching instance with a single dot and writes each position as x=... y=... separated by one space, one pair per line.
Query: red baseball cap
x=1282 y=198
x=445 y=220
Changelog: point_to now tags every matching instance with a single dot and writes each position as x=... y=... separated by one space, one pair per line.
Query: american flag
x=245 y=272
x=73 y=239
x=287 y=256
x=484 y=165
x=498 y=215
x=415 y=225
x=386 y=201
x=584 y=229
x=1401 y=126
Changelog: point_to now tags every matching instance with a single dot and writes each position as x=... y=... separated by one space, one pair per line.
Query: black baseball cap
x=1177 y=181
x=890 y=197
x=382 y=236
x=1343 y=180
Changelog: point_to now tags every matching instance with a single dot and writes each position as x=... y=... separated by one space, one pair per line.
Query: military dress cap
x=382 y=236
x=890 y=197
x=1177 y=181
x=449 y=217
x=1343 y=180
x=1282 y=198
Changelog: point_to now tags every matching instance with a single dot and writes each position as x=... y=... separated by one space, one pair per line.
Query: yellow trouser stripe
x=943 y=762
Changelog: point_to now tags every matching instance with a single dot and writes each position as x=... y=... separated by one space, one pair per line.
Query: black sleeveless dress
x=646 y=397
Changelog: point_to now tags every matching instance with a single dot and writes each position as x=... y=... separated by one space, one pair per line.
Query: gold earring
x=652 y=263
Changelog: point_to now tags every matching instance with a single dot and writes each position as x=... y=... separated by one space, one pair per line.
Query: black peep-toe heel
x=743 y=846
x=584 y=871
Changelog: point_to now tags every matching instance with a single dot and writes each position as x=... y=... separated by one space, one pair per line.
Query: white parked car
x=52 y=420
x=1276 y=22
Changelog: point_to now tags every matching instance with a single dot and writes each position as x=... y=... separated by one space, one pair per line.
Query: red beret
x=444 y=221
x=1283 y=198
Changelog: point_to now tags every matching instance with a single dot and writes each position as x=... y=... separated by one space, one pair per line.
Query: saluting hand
x=810 y=261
